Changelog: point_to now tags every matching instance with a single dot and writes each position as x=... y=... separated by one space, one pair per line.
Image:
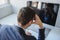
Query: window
x=2 y=2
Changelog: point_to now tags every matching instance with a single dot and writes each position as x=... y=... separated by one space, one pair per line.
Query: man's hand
x=38 y=21
x=28 y=33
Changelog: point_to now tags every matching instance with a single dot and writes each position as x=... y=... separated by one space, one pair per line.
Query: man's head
x=25 y=16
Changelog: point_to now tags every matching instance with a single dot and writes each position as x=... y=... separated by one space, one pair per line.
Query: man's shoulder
x=9 y=31
x=7 y=27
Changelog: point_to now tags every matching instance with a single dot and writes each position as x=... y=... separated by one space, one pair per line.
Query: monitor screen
x=48 y=13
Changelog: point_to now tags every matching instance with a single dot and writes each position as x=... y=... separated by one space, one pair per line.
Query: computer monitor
x=49 y=12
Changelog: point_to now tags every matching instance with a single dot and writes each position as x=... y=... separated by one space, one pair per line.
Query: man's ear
x=30 y=22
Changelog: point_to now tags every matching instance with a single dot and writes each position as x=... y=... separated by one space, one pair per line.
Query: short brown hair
x=25 y=15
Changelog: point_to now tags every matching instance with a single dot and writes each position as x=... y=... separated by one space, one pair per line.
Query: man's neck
x=24 y=27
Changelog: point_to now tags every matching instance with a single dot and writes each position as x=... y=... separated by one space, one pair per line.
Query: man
x=25 y=19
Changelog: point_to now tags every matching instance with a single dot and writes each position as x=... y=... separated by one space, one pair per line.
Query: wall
x=17 y=4
x=58 y=19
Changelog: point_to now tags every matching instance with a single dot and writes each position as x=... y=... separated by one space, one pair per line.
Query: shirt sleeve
x=41 y=34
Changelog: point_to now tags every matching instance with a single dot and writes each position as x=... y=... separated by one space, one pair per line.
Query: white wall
x=48 y=1
x=17 y=4
x=58 y=19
